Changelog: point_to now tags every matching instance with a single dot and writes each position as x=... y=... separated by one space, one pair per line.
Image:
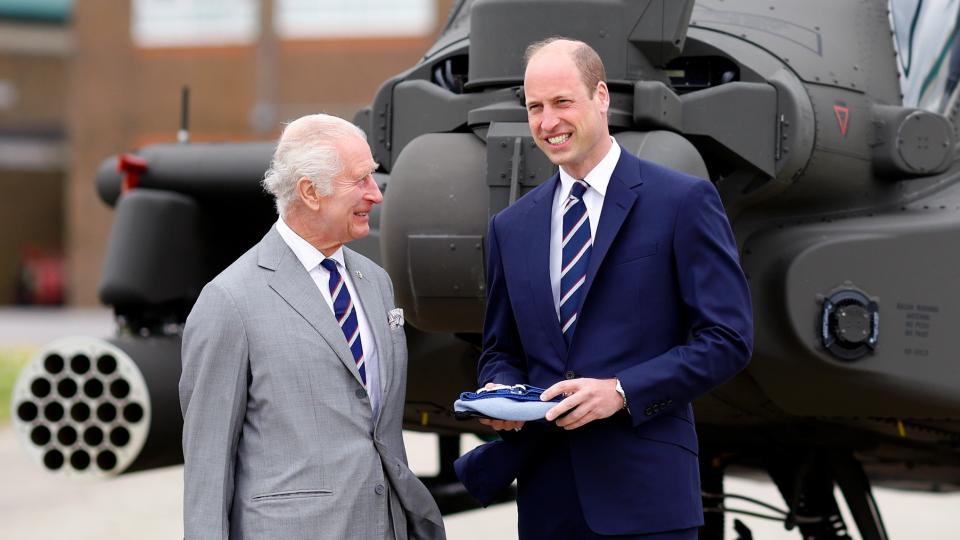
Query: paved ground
x=36 y=326
x=35 y=505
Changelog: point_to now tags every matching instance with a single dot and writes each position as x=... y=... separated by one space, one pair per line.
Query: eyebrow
x=363 y=174
x=549 y=99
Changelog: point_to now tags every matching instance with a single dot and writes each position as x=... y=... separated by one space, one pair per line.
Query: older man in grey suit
x=294 y=367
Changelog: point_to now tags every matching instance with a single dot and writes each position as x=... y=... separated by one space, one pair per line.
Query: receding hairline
x=584 y=57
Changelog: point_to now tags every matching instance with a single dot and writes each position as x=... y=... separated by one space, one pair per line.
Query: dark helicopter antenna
x=183 y=134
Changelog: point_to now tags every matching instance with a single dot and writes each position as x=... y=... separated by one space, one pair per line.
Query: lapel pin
x=359 y=274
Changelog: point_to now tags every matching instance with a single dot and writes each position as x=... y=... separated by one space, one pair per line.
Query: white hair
x=307 y=148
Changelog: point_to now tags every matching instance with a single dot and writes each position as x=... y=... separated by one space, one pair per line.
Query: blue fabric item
x=485 y=485
x=489 y=469
x=519 y=402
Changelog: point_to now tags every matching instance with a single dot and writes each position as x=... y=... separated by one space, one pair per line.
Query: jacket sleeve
x=502 y=360
x=213 y=396
x=716 y=304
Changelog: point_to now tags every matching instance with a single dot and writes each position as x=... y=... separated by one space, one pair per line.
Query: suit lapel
x=537 y=245
x=376 y=316
x=619 y=199
x=292 y=282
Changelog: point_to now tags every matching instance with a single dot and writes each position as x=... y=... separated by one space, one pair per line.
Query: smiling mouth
x=361 y=214
x=559 y=139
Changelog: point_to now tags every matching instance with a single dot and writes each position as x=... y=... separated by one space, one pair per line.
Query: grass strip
x=12 y=360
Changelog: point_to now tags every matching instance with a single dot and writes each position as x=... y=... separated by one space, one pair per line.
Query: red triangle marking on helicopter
x=843 y=114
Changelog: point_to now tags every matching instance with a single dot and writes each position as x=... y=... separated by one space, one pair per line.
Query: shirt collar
x=308 y=255
x=599 y=176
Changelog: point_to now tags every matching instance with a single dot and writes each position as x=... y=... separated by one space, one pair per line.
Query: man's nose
x=373 y=194
x=548 y=120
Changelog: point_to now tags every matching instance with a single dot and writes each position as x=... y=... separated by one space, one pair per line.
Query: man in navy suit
x=616 y=284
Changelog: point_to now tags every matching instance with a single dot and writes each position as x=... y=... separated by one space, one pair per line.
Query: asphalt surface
x=35 y=505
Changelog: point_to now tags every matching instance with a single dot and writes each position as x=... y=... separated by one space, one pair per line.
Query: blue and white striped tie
x=346 y=315
x=577 y=244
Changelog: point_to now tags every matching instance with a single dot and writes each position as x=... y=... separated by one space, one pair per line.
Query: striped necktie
x=346 y=315
x=577 y=244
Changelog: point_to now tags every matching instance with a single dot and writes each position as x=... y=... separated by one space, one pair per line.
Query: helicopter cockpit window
x=451 y=73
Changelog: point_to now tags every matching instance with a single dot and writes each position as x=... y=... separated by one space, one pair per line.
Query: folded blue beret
x=520 y=402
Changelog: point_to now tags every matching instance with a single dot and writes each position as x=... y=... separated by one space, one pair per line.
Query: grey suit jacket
x=279 y=440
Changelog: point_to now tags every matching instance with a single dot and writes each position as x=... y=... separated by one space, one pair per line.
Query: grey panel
x=380 y=124
x=906 y=261
x=740 y=118
x=666 y=148
x=446 y=266
x=514 y=163
x=844 y=44
x=655 y=106
x=198 y=169
x=511 y=110
x=423 y=107
x=501 y=30
x=437 y=189
x=154 y=250
x=662 y=29
x=795 y=124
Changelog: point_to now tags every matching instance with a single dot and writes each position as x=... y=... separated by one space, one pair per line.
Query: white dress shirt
x=310 y=258
x=598 y=178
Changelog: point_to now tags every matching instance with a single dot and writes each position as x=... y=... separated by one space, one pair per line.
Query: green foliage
x=11 y=361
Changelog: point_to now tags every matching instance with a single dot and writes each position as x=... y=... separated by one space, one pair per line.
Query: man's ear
x=603 y=94
x=307 y=193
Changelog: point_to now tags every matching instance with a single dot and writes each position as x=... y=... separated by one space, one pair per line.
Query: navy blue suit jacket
x=666 y=310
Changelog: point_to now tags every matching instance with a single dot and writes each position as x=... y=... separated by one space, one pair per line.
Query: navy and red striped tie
x=346 y=314
x=577 y=244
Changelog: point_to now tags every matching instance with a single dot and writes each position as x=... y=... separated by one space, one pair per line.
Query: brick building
x=35 y=45
x=114 y=84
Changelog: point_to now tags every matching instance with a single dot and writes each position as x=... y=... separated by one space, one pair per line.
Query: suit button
x=379 y=489
x=361 y=393
x=570 y=375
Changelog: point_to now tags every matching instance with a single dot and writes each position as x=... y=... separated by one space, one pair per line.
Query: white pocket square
x=395 y=318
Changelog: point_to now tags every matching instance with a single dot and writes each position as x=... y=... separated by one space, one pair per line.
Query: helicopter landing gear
x=711 y=482
x=856 y=491
x=808 y=489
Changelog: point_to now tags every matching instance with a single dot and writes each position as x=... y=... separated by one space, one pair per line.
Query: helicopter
x=844 y=201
